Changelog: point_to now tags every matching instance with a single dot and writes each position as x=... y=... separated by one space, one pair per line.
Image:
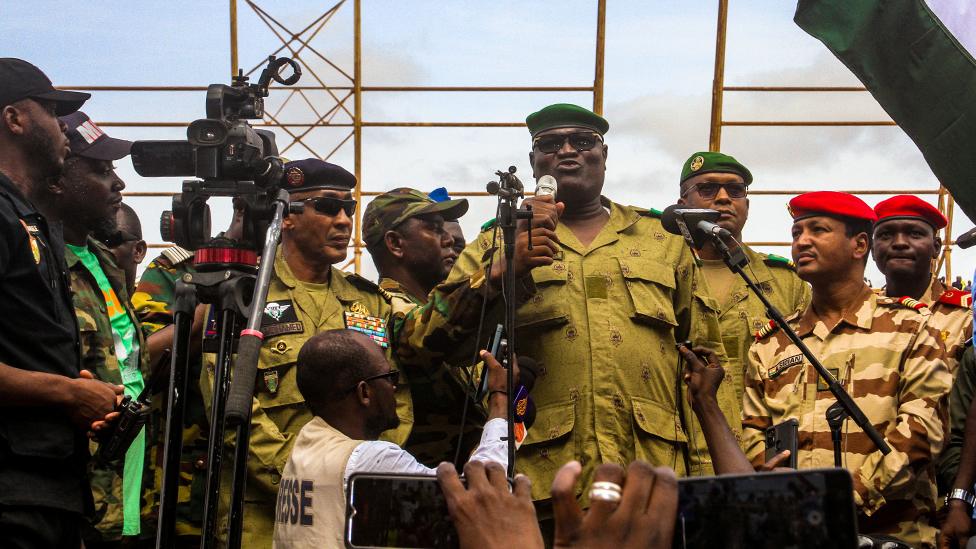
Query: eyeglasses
x=709 y=191
x=332 y=206
x=120 y=237
x=392 y=375
x=581 y=141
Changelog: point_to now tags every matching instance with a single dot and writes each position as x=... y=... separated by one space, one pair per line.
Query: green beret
x=565 y=115
x=711 y=162
x=388 y=210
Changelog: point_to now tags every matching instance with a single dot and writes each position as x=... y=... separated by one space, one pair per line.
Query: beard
x=104 y=229
x=379 y=423
x=42 y=149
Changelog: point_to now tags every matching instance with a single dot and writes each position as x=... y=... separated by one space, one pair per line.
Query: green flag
x=917 y=70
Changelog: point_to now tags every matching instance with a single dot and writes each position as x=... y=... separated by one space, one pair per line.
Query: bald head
x=128 y=220
x=330 y=363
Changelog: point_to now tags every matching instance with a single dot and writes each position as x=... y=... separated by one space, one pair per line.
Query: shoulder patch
x=176 y=255
x=360 y=282
x=647 y=212
x=778 y=261
x=488 y=224
x=766 y=330
x=958 y=298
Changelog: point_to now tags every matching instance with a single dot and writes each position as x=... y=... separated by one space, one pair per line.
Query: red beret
x=832 y=203
x=906 y=206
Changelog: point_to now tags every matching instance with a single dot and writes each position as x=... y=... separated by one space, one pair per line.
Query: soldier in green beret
x=719 y=182
x=604 y=319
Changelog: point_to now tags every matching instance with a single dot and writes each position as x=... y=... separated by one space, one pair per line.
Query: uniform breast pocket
x=276 y=385
x=546 y=308
x=650 y=286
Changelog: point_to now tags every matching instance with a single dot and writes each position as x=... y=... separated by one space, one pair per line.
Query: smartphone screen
x=398 y=511
x=797 y=509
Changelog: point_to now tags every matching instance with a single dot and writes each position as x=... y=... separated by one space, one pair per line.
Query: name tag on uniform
x=372 y=326
x=784 y=365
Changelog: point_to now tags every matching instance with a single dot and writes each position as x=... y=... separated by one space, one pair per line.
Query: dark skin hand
x=545 y=243
x=94 y=402
x=486 y=514
x=958 y=524
x=643 y=518
x=703 y=379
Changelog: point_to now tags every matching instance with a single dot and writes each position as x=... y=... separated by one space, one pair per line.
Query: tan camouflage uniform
x=153 y=301
x=420 y=337
x=603 y=326
x=98 y=357
x=952 y=316
x=894 y=366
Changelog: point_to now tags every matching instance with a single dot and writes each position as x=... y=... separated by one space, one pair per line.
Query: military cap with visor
x=713 y=162
x=22 y=80
x=832 y=204
x=565 y=115
x=313 y=174
x=390 y=209
x=88 y=140
x=906 y=206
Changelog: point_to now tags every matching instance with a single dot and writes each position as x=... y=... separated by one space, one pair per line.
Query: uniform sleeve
x=153 y=298
x=960 y=398
x=755 y=415
x=917 y=433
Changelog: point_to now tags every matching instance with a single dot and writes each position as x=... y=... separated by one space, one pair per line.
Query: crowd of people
x=646 y=359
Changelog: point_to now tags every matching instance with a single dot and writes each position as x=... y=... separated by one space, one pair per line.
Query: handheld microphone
x=967 y=239
x=696 y=225
x=546 y=186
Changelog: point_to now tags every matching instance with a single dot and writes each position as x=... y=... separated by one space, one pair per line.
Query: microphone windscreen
x=670 y=220
x=546 y=186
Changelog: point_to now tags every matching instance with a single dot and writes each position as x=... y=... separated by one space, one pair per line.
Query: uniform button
x=544 y=453
x=618 y=401
x=275 y=478
x=200 y=464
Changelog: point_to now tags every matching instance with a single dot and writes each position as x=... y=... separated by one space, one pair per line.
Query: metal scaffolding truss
x=718 y=122
x=332 y=110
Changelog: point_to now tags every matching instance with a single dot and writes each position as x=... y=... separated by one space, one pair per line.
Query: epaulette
x=769 y=328
x=911 y=303
x=361 y=283
x=647 y=212
x=176 y=255
x=488 y=224
x=778 y=261
x=958 y=298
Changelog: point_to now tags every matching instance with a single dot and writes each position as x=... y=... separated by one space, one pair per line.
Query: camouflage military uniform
x=744 y=314
x=952 y=316
x=426 y=336
x=893 y=364
x=152 y=301
x=438 y=397
x=98 y=357
x=603 y=326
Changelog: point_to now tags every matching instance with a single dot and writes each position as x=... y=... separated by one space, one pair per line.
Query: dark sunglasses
x=582 y=141
x=119 y=238
x=332 y=206
x=709 y=191
x=392 y=375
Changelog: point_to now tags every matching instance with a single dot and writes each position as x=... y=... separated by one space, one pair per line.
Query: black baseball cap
x=88 y=140
x=21 y=80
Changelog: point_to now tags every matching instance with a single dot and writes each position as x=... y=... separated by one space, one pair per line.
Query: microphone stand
x=736 y=259
x=509 y=189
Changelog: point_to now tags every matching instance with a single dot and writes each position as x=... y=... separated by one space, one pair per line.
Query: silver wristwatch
x=963 y=495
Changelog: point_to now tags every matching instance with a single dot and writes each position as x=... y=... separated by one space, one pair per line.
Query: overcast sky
x=659 y=62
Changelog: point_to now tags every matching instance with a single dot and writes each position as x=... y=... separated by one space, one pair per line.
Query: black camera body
x=227 y=155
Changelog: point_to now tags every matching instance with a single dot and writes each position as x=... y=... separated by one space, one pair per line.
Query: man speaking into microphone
x=717 y=181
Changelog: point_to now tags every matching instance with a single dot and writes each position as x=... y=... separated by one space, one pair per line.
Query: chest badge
x=271 y=381
x=276 y=310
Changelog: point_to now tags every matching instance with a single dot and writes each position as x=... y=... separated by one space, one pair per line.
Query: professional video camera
x=229 y=157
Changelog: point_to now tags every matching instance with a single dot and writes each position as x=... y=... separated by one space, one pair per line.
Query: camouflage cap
x=389 y=209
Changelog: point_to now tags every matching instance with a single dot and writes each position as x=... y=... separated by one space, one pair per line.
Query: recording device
x=967 y=239
x=782 y=436
x=546 y=186
x=696 y=225
x=807 y=509
x=495 y=346
x=229 y=157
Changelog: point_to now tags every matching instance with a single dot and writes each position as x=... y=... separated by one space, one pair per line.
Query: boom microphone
x=967 y=239
x=696 y=225
x=546 y=186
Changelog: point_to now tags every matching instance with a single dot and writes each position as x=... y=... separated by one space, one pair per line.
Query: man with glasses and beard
x=307 y=295
x=86 y=199
x=717 y=181
x=126 y=244
x=349 y=385
x=48 y=401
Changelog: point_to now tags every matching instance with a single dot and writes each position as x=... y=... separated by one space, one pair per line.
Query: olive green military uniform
x=741 y=314
x=438 y=398
x=419 y=337
x=98 y=355
x=893 y=364
x=603 y=326
x=153 y=301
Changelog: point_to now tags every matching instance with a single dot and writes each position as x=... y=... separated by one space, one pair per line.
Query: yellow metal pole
x=233 y=38
x=718 y=80
x=358 y=133
x=950 y=209
x=601 y=39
